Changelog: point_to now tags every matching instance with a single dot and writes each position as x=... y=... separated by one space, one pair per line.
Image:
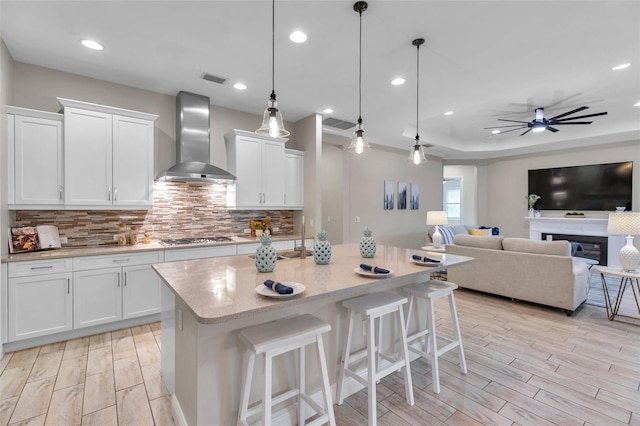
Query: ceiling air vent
x=427 y=145
x=213 y=78
x=338 y=124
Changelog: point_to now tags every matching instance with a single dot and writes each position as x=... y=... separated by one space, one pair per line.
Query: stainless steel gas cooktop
x=190 y=241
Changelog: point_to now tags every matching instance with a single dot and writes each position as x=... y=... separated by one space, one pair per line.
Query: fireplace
x=578 y=229
x=590 y=247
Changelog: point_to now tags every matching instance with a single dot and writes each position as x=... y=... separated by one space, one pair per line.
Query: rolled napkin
x=278 y=287
x=424 y=259
x=374 y=269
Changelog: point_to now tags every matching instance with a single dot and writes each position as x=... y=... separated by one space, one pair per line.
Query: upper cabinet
x=108 y=157
x=36 y=172
x=259 y=165
x=294 y=179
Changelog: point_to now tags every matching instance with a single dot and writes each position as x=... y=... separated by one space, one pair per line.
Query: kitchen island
x=207 y=302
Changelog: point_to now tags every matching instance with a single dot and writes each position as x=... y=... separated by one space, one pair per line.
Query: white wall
x=309 y=140
x=364 y=177
x=6 y=97
x=332 y=183
x=507 y=181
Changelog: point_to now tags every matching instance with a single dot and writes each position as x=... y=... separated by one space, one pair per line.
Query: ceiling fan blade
x=568 y=113
x=502 y=127
x=513 y=121
x=511 y=130
x=551 y=129
x=525 y=132
x=574 y=122
x=580 y=116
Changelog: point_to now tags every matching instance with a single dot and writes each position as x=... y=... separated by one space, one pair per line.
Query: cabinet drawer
x=96 y=262
x=39 y=267
x=199 y=253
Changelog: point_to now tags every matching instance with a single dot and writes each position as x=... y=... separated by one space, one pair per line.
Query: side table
x=627 y=279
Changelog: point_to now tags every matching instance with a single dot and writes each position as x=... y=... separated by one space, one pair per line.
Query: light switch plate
x=64 y=240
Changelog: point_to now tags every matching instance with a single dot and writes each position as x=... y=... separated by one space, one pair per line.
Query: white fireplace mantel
x=577 y=226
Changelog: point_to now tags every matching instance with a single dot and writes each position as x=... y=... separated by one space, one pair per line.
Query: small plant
x=532 y=198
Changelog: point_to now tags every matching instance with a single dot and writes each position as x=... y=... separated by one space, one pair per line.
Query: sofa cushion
x=558 y=248
x=493 y=242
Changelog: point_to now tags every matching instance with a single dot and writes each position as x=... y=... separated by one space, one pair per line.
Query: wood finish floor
x=528 y=365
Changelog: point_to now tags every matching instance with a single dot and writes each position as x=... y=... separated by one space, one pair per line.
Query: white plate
x=361 y=271
x=298 y=288
x=421 y=263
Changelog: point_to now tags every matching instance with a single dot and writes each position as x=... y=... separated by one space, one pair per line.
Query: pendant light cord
x=273 y=48
x=360 y=73
x=417 y=89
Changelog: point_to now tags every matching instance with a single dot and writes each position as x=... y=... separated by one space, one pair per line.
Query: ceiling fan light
x=538 y=127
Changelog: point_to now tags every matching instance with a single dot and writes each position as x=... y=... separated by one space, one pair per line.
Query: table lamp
x=626 y=223
x=437 y=218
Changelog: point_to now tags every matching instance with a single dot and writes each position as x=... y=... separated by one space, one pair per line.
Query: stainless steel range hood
x=192 y=143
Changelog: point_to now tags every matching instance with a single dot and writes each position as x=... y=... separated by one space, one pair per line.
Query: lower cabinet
x=115 y=293
x=39 y=305
x=40 y=298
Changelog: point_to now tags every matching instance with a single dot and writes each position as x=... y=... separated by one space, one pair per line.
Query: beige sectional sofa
x=535 y=271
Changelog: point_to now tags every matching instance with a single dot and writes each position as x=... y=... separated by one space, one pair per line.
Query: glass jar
x=133 y=236
x=122 y=234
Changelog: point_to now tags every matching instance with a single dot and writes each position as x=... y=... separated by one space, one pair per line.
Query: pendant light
x=272 y=123
x=416 y=155
x=359 y=142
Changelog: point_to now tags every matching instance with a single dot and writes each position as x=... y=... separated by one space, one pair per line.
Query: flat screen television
x=589 y=187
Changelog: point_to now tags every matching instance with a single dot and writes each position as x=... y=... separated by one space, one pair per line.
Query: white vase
x=532 y=212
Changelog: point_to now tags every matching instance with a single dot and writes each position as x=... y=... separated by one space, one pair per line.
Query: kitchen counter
x=207 y=301
x=115 y=249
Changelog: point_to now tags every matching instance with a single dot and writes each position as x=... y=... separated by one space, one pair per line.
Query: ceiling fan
x=540 y=124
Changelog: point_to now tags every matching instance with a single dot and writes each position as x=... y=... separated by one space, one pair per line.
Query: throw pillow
x=447 y=235
x=478 y=232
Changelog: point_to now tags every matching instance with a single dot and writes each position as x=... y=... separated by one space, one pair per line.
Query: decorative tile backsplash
x=180 y=209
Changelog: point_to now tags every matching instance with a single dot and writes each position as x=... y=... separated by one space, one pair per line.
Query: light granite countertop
x=115 y=249
x=221 y=289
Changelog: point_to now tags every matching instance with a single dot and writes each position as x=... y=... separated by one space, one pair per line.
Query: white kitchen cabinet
x=108 y=157
x=259 y=166
x=294 y=179
x=35 y=147
x=40 y=297
x=112 y=288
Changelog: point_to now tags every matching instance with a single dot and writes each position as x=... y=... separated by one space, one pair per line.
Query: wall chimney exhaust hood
x=192 y=143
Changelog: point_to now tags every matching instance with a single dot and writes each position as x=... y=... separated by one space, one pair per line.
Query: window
x=453 y=200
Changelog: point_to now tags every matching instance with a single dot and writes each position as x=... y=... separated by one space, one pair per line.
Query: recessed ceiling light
x=448 y=113
x=637 y=104
x=398 y=81
x=620 y=67
x=240 y=86
x=91 y=44
x=495 y=132
x=327 y=110
x=298 y=37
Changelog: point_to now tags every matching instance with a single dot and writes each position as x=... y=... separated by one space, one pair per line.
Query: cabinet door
x=97 y=297
x=140 y=291
x=272 y=174
x=88 y=157
x=39 y=305
x=294 y=180
x=38 y=170
x=132 y=162
x=248 y=172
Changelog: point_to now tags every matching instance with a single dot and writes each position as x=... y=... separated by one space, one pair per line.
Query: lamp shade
x=623 y=223
x=437 y=218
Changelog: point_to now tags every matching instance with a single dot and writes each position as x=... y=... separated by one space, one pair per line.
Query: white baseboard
x=176 y=410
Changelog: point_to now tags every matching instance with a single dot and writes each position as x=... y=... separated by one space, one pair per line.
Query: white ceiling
x=483 y=60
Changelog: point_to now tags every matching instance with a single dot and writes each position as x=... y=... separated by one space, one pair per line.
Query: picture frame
x=389 y=193
x=414 y=201
x=402 y=195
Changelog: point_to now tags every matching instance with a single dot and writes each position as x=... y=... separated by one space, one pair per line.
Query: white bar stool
x=430 y=291
x=372 y=306
x=276 y=338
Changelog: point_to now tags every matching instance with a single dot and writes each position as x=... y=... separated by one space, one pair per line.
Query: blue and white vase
x=322 y=249
x=265 y=255
x=367 y=244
